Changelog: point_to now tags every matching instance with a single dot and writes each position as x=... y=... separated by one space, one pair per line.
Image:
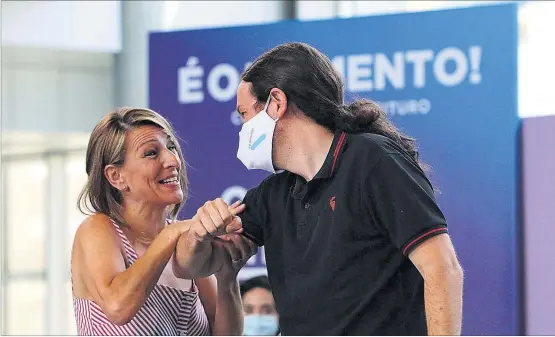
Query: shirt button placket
x=304 y=215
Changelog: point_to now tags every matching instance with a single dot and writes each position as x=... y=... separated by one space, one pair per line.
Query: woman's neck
x=145 y=222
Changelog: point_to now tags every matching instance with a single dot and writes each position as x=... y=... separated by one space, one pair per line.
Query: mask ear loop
x=266 y=107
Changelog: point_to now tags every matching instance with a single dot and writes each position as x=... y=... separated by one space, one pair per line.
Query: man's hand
x=234 y=250
x=443 y=284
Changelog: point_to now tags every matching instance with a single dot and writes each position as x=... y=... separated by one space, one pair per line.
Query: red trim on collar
x=336 y=152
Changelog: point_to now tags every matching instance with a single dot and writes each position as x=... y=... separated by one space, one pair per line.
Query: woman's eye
x=150 y=153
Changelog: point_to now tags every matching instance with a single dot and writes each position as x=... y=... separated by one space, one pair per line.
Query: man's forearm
x=229 y=311
x=443 y=301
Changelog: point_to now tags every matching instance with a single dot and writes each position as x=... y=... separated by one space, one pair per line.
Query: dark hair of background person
x=255 y=282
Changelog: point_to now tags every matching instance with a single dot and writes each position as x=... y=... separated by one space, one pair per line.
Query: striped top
x=166 y=312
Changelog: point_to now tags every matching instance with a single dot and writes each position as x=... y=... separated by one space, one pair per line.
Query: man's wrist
x=226 y=281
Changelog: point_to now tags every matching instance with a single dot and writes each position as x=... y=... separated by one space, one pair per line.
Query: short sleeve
x=254 y=216
x=401 y=200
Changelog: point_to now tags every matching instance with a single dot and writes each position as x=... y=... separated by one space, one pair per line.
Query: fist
x=216 y=218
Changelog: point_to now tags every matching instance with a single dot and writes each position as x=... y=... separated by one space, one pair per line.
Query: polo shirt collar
x=332 y=159
x=331 y=162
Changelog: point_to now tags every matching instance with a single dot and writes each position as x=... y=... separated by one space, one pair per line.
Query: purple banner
x=454 y=89
x=538 y=157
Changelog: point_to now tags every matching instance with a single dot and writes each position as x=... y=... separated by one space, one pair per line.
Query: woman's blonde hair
x=107 y=147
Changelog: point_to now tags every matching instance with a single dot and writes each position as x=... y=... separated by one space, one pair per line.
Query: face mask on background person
x=260 y=325
x=255 y=141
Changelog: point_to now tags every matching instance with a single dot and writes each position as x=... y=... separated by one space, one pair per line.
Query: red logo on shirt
x=332 y=203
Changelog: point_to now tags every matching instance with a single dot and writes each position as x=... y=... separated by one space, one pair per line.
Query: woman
x=261 y=318
x=123 y=265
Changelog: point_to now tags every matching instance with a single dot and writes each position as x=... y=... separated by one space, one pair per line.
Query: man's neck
x=146 y=222
x=308 y=150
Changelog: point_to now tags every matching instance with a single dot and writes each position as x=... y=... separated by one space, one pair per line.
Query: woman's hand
x=216 y=218
x=197 y=253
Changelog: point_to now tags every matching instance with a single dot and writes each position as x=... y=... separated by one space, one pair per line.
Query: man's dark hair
x=311 y=83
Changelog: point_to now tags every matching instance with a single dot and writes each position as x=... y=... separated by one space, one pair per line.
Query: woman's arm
x=100 y=267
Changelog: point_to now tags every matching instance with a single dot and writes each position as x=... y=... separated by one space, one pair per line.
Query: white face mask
x=255 y=141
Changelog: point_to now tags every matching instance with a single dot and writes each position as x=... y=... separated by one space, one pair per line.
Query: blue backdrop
x=447 y=78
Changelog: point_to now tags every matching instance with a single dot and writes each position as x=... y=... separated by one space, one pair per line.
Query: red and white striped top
x=166 y=312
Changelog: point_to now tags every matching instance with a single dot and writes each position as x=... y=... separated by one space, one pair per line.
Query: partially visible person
x=355 y=242
x=261 y=318
x=123 y=267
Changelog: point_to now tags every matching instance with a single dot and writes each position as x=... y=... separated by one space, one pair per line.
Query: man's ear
x=278 y=104
x=114 y=177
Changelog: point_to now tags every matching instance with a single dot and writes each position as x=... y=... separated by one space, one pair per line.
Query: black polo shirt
x=336 y=246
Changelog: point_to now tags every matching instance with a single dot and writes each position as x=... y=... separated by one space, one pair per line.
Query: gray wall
x=55 y=91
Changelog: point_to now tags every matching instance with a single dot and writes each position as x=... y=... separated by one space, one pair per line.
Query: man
x=355 y=242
